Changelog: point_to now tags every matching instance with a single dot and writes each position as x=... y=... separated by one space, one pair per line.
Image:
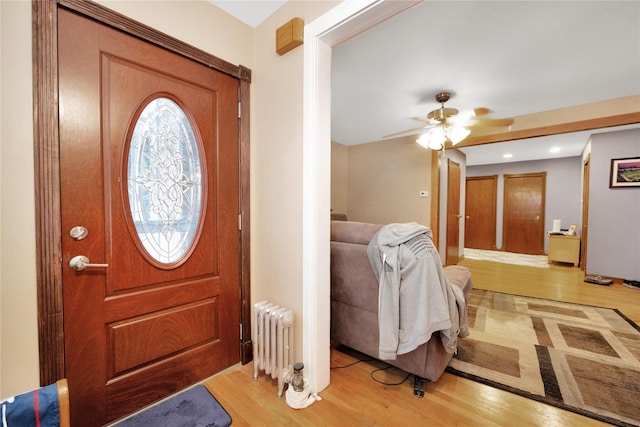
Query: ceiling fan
x=447 y=125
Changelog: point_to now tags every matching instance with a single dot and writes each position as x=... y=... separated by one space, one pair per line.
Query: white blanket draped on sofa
x=415 y=299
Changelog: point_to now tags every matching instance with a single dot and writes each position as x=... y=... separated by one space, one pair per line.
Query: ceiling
x=251 y=12
x=513 y=57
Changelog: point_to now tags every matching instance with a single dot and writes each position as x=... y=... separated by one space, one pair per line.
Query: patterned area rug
x=581 y=358
x=541 y=261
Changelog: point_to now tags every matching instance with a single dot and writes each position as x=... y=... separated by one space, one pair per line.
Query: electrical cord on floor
x=372 y=373
x=351 y=364
x=384 y=383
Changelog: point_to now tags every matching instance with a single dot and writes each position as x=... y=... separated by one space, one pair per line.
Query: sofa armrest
x=459 y=276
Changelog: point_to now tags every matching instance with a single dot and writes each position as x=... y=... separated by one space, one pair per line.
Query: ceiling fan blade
x=481 y=111
x=493 y=123
x=408 y=131
x=457 y=120
x=482 y=121
x=425 y=119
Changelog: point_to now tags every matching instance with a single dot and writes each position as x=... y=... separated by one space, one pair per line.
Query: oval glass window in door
x=164 y=175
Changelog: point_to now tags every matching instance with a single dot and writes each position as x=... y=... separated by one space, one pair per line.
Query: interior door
x=149 y=200
x=480 y=212
x=453 y=213
x=523 y=219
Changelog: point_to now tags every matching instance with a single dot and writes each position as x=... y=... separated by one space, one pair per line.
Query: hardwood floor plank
x=558 y=283
x=354 y=399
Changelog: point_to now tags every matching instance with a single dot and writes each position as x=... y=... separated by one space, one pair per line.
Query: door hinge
x=239 y=110
x=241 y=332
x=240 y=222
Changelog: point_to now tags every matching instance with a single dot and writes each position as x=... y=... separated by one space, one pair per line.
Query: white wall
x=196 y=22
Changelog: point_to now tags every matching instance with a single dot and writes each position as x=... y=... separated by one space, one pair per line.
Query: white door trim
x=339 y=24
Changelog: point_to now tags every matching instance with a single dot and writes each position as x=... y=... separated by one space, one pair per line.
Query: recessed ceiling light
x=554 y=149
x=508 y=156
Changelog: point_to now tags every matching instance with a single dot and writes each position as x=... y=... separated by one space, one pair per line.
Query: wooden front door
x=149 y=195
x=523 y=219
x=453 y=213
x=480 y=212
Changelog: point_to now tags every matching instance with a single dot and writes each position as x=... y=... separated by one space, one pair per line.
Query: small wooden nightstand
x=564 y=249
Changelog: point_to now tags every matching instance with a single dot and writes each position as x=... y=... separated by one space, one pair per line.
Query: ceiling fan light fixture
x=434 y=139
x=428 y=140
x=457 y=133
x=436 y=145
x=452 y=125
x=447 y=130
x=438 y=137
x=424 y=140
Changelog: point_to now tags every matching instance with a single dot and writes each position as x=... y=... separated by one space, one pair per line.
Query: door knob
x=80 y=262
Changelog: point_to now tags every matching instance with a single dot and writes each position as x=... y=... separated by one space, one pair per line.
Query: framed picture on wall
x=625 y=173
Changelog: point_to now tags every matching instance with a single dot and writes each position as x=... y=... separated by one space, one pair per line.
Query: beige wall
x=276 y=164
x=196 y=22
x=18 y=308
x=385 y=179
x=339 y=178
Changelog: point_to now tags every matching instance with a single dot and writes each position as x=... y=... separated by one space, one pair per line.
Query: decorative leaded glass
x=164 y=181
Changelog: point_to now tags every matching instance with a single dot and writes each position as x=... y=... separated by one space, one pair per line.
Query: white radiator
x=272 y=342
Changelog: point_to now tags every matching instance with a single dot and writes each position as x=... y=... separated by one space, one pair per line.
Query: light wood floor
x=354 y=399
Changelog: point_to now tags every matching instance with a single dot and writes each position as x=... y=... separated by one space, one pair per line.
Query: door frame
x=47 y=169
x=451 y=236
x=586 y=183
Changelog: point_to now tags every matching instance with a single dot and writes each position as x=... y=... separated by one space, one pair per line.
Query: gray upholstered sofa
x=354 y=301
